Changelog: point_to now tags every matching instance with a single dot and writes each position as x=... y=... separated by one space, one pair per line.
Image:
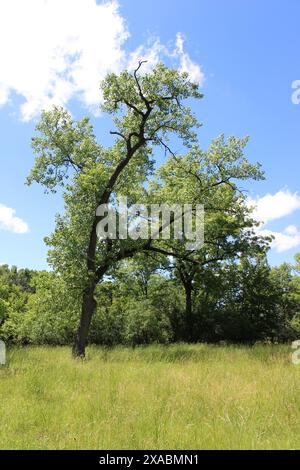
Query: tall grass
x=157 y=397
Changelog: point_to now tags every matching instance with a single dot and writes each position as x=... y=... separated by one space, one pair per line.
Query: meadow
x=157 y=397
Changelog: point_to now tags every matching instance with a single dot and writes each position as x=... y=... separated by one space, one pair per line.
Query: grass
x=156 y=397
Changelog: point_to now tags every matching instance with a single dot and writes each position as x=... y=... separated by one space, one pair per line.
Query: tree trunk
x=188 y=310
x=89 y=305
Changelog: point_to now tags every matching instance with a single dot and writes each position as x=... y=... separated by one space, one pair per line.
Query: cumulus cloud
x=283 y=241
x=186 y=64
x=291 y=230
x=55 y=50
x=276 y=206
x=153 y=51
x=8 y=220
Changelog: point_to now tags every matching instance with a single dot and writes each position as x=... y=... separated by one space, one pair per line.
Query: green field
x=157 y=397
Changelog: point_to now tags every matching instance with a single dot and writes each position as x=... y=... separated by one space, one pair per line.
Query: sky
x=243 y=53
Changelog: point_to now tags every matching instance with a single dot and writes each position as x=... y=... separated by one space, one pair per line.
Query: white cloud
x=283 y=241
x=151 y=52
x=186 y=64
x=291 y=230
x=154 y=51
x=8 y=220
x=55 y=50
x=275 y=206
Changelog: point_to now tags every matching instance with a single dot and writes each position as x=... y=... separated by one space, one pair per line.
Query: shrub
x=145 y=324
x=107 y=325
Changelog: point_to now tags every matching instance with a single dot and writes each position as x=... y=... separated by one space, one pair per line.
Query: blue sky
x=244 y=53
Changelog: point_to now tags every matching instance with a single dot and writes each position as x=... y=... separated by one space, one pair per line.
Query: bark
x=89 y=305
x=186 y=278
x=188 y=310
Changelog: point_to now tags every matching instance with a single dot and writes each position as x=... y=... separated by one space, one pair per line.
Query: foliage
x=107 y=326
x=51 y=314
x=146 y=324
x=15 y=290
x=143 y=302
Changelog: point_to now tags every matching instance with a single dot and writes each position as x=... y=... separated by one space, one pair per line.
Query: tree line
x=145 y=300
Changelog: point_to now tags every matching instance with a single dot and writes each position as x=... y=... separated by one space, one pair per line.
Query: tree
x=212 y=178
x=135 y=276
x=15 y=289
x=146 y=109
x=251 y=301
x=50 y=315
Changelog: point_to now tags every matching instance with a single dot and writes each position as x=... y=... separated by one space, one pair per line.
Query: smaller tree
x=211 y=178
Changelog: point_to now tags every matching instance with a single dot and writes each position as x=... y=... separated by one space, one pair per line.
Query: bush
x=52 y=314
x=145 y=324
x=3 y=310
x=107 y=325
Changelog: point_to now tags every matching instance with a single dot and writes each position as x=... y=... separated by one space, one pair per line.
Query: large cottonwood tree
x=147 y=110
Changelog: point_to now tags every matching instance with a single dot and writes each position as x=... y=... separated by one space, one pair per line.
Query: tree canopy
x=150 y=112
